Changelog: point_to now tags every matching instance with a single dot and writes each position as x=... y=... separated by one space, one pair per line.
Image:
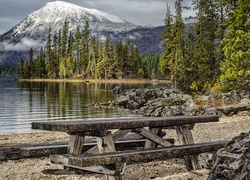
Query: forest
x=211 y=54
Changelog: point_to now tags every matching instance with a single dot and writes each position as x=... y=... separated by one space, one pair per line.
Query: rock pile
x=172 y=102
x=233 y=161
x=156 y=102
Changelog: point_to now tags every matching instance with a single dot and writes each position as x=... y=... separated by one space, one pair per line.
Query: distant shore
x=98 y=80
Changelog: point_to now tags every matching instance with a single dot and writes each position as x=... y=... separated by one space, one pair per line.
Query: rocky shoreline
x=173 y=102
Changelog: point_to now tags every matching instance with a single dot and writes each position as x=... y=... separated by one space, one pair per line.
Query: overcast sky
x=140 y=12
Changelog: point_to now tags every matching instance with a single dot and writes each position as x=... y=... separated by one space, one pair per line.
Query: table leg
x=75 y=146
x=185 y=137
x=106 y=144
x=150 y=144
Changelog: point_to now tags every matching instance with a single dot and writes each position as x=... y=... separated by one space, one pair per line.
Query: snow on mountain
x=34 y=28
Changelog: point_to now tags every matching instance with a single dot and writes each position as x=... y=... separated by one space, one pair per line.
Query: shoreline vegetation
x=99 y=80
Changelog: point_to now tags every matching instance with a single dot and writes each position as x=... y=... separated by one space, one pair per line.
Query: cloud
x=24 y=45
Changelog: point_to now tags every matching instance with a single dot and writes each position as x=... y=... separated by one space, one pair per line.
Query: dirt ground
x=174 y=169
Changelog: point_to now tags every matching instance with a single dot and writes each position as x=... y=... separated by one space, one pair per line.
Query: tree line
x=70 y=55
x=213 y=53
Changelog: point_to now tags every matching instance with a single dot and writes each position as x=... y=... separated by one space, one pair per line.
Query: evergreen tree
x=118 y=60
x=70 y=56
x=65 y=32
x=84 y=50
x=101 y=68
x=173 y=55
x=77 y=47
x=92 y=65
x=21 y=68
x=206 y=67
x=31 y=63
x=235 y=68
x=163 y=66
x=40 y=65
x=49 y=57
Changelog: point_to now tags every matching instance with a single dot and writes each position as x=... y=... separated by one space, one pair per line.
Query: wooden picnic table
x=109 y=131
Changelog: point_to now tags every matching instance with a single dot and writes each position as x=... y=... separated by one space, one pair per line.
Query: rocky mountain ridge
x=33 y=30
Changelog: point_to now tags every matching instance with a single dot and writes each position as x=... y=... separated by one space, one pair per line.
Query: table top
x=74 y=127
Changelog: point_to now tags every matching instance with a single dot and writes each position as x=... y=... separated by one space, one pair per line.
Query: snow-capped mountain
x=33 y=30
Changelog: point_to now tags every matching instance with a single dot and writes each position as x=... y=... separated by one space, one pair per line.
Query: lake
x=24 y=102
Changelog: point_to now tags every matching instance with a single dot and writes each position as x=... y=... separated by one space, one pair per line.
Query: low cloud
x=24 y=45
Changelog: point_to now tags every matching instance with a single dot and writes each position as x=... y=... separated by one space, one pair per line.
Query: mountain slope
x=33 y=30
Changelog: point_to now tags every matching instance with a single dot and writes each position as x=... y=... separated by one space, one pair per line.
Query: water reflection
x=24 y=102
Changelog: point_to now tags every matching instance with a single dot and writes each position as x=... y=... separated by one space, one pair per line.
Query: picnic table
x=104 y=157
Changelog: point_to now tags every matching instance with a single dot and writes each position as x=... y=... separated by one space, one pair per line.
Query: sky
x=139 y=12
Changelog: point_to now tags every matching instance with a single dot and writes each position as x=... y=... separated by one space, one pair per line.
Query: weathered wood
x=63 y=160
x=120 y=134
x=185 y=137
x=156 y=139
x=44 y=150
x=11 y=151
x=75 y=146
x=95 y=127
x=106 y=144
x=142 y=155
x=233 y=108
x=150 y=144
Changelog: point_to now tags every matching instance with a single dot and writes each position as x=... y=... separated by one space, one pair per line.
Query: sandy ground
x=174 y=169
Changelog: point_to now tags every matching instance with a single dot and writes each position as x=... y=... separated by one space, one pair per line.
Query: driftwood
x=229 y=109
x=232 y=161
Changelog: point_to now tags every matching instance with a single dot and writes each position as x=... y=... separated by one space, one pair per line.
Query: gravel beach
x=37 y=168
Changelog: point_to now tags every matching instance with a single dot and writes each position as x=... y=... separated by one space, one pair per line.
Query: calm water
x=24 y=102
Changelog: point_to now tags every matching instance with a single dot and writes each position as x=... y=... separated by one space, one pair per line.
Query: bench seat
x=142 y=155
x=43 y=151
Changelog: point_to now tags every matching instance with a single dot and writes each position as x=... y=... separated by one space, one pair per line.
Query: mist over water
x=24 y=102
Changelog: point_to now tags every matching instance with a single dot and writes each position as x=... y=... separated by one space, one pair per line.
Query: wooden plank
x=106 y=144
x=11 y=151
x=185 y=137
x=76 y=143
x=116 y=136
x=150 y=144
x=94 y=127
x=63 y=160
x=142 y=155
x=156 y=139
x=48 y=149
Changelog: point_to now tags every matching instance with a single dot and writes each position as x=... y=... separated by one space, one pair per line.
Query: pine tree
x=70 y=56
x=83 y=64
x=77 y=47
x=21 y=68
x=92 y=65
x=206 y=64
x=65 y=32
x=235 y=68
x=101 y=68
x=40 y=65
x=49 y=57
x=118 y=60
x=31 y=63
x=163 y=66
x=173 y=55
